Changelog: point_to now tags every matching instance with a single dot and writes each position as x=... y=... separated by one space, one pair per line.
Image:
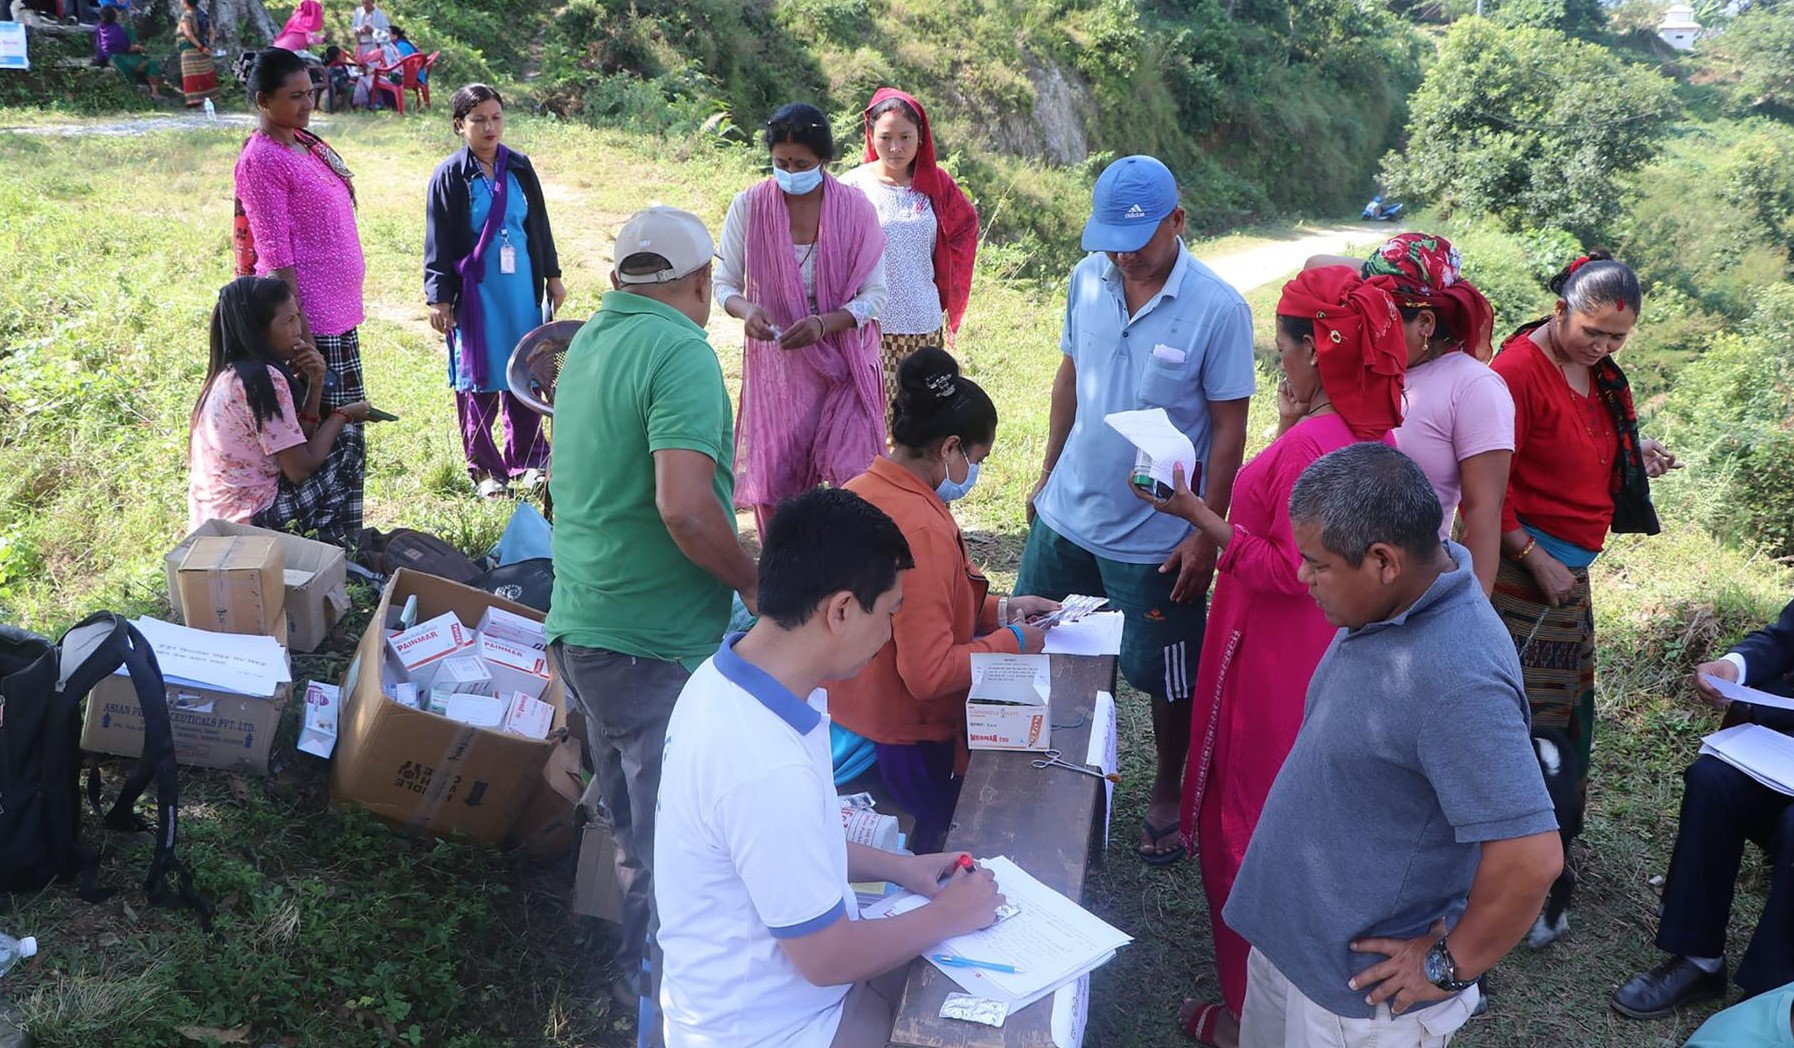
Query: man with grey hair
x=1408 y=841
x=645 y=549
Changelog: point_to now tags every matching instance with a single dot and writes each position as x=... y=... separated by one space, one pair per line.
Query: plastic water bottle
x=211 y=111
x=12 y=951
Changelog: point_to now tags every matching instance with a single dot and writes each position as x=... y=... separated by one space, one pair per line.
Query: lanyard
x=504 y=231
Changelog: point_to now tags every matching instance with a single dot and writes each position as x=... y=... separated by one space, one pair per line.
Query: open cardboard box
x=315 y=575
x=422 y=771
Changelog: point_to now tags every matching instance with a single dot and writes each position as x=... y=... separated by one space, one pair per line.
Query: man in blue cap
x=1146 y=326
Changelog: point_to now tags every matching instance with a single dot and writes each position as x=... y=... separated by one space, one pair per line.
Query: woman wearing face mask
x=1340 y=342
x=1580 y=471
x=931 y=229
x=802 y=267
x=910 y=699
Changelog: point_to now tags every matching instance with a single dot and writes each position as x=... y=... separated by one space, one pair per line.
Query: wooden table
x=1050 y=821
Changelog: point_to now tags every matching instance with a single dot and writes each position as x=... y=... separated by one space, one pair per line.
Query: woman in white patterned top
x=931 y=229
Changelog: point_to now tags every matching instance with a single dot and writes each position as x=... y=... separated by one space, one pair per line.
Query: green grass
x=332 y=930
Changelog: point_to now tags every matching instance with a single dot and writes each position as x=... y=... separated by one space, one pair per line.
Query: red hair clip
x=1581 y=260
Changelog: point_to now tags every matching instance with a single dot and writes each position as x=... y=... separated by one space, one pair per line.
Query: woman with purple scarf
x=490 y=275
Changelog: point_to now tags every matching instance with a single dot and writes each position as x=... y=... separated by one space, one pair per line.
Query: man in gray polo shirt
x=1408 y=842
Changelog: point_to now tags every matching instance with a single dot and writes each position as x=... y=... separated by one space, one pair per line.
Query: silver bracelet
x=1002 y=611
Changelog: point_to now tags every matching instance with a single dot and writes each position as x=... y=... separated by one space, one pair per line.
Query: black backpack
x=41 y=689
x=527 y=582
x=386 y=552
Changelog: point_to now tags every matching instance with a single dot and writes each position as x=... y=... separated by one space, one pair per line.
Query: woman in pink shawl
x=802 y=267
x=305 y=28
x=1344 y=356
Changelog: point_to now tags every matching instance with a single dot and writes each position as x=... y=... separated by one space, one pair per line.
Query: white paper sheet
x=1023 y=679
x=1740 y=693
x=1071 y=1012
x=238 y=663
x=1761 y=753
x=1102 y=752
x=1052 y=940
x=1095 y=634
x=1152 y=432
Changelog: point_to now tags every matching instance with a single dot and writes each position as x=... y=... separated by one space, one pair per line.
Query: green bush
x=1531 y=126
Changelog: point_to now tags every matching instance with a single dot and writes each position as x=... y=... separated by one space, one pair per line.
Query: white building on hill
x=1679 y=28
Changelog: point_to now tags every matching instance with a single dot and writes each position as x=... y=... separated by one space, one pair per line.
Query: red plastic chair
x=421 y=89
x=407 y=69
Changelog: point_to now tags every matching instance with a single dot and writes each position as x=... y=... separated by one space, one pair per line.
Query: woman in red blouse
x=1579 y=471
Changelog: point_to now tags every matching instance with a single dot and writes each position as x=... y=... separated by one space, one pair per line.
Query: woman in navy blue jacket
x=490 y=275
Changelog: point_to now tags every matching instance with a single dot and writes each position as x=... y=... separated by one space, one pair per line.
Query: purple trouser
x=524 y=448
x=920 y=778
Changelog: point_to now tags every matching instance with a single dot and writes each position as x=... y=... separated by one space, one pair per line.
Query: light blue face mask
x=949 y=490
x=798 y=183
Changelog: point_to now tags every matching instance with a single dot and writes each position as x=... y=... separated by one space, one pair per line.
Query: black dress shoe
x=1673 y=984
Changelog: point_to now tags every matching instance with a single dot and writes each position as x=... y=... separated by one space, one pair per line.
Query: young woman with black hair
x=491 y=273
x=802 y=266
x=261 y=448
x=295 y=221
x=910 y=699
x=1580 y=470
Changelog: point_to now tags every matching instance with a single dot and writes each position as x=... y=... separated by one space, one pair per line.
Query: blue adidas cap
x=1132 y=196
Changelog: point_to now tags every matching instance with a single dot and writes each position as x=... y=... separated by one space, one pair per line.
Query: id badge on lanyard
x=507 y=259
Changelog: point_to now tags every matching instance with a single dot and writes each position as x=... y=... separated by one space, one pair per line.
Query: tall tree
x=237 y=25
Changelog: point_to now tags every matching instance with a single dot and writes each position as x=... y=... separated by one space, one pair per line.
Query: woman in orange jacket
x=910 y=699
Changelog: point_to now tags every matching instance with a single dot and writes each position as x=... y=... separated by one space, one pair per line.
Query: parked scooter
x=1377 y=211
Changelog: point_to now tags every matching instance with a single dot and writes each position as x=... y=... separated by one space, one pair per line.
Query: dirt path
x=140 y=126
x=1255 y=267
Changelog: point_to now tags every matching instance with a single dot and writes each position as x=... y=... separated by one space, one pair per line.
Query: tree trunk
x=237 y=25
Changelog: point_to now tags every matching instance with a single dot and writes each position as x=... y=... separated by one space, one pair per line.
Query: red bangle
x=311 y=419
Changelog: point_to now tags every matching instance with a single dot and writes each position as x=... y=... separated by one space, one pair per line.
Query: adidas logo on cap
x=1135 y=211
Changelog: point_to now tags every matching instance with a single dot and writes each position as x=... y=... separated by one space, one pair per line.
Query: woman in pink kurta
x=1343 y=354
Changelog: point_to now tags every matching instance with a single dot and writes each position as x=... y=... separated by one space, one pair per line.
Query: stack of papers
x=1052 y=940
x=1098 y=633
x=238 y=663
x=1761 y=753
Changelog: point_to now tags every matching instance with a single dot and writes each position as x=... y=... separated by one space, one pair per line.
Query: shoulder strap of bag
x=91 y=651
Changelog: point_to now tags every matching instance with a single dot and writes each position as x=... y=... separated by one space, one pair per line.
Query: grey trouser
x=626 y=702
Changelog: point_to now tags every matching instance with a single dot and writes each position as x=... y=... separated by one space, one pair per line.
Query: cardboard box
x=545 y=830
x=514 y=628
x=315 y=578
x=1008 y=705
x=421 y=650
x=234 y=584
x=595 y=891
x=420 y=771
x=212 y=729
x=225 y=696
x=514 y=667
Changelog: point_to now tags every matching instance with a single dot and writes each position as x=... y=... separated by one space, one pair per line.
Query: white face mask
x=798 y=183
x=949 y=489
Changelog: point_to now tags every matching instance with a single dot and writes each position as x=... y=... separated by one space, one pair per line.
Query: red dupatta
x=956 y=239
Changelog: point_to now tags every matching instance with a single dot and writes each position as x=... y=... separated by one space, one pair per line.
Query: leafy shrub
x=1531 y=126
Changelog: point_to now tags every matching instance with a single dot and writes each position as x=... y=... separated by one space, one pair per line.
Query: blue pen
x=951 y=961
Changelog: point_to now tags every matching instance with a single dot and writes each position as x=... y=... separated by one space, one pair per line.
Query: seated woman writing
x=910 y=699
x=257 y=453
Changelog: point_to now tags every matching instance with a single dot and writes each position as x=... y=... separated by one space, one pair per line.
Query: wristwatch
x=1442 y=971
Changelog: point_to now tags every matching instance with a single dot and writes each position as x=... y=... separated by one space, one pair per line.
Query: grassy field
x=333 y=930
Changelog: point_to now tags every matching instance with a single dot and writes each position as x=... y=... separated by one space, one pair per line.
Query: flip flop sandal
x=1200 y=1026
x=1158 y=858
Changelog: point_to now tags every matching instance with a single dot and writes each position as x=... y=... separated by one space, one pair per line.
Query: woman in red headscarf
x=931 y=229
x=1459 y=419
x=1340 y=342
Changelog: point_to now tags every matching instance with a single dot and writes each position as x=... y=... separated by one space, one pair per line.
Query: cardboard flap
x=337 y=600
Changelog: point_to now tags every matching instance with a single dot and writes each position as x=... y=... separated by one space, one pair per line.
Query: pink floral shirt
x=232 y=474
x=301 y=215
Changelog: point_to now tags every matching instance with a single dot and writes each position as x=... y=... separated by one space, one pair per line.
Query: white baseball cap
x=675 y=235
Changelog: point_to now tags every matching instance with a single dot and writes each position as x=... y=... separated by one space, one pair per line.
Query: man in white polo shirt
x=763 y=944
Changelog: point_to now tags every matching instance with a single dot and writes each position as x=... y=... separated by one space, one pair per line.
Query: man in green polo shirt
x=645 y=549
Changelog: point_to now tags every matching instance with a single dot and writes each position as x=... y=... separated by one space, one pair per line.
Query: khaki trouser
x=869 y=1011
x=1277 y=1015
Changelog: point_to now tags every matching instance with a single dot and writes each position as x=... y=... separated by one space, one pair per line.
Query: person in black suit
x=1721 y=809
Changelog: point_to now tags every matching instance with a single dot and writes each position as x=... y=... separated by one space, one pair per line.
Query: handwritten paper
x=1095 y=634
x=1053 y=940
x=1102 y=752
x=1025 y=680
x=1152 y=432
x=241 y=664
x=1071 y=1012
